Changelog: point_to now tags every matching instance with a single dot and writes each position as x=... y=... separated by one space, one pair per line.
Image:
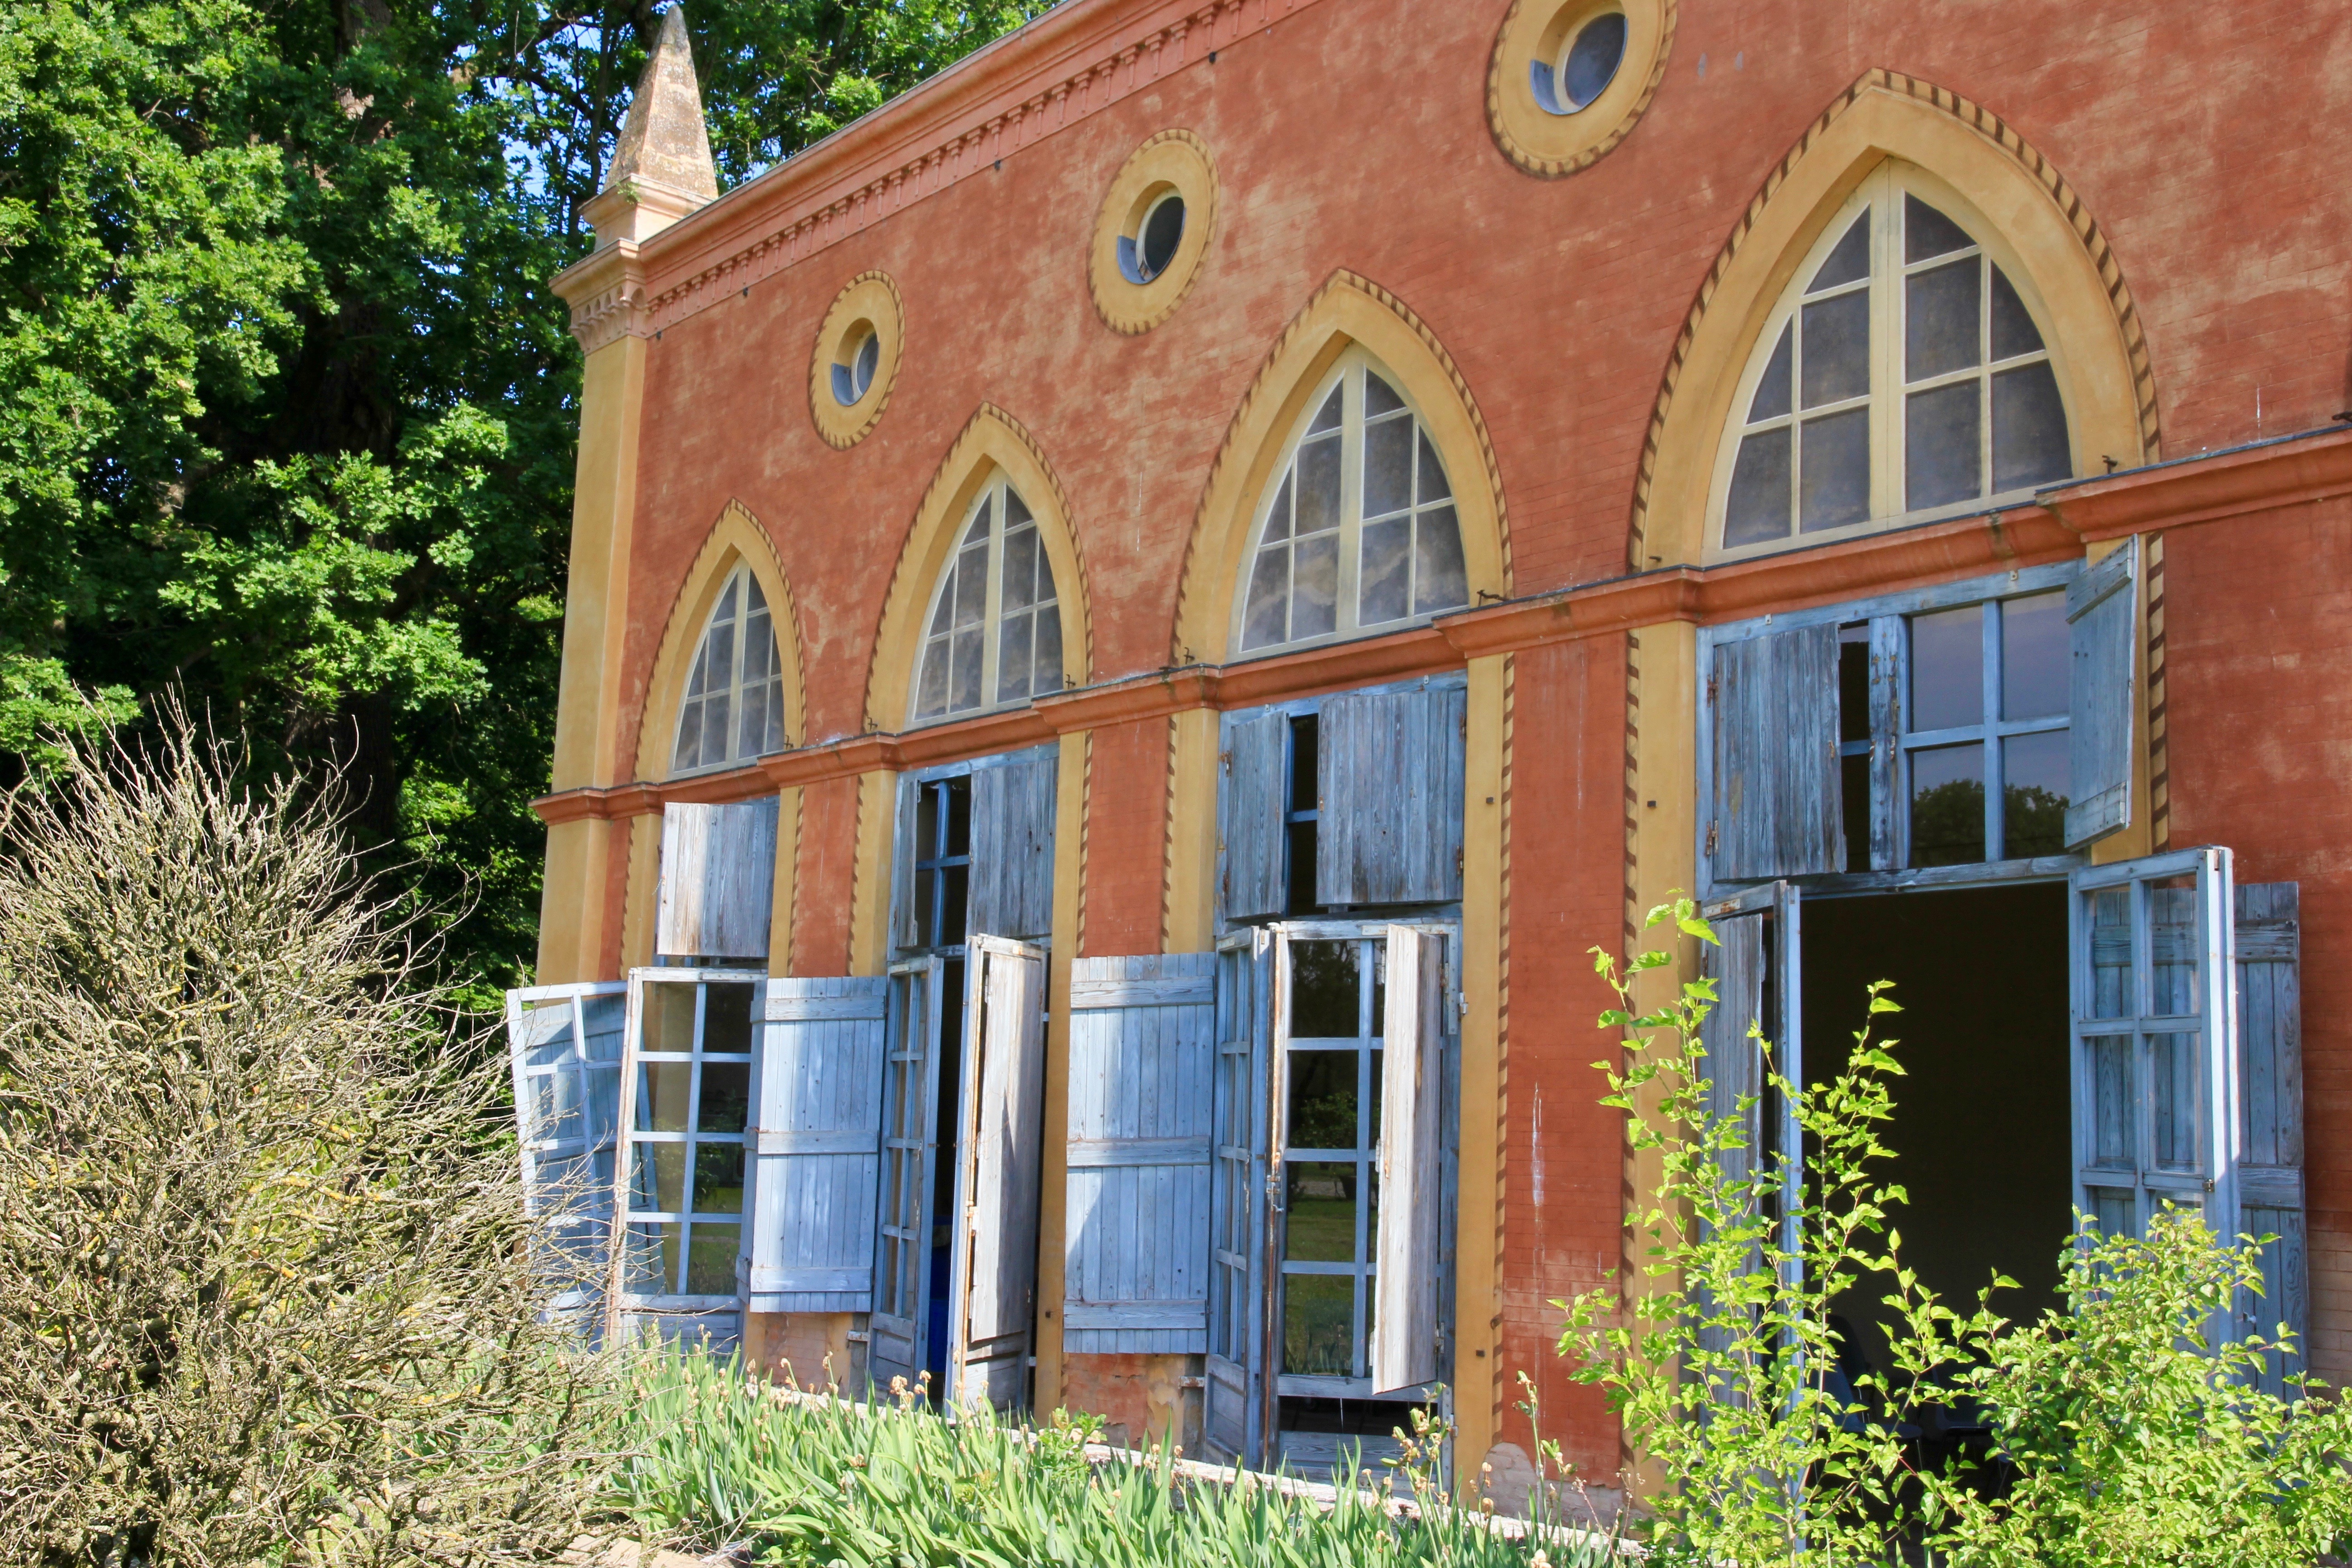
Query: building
x=1135 y=614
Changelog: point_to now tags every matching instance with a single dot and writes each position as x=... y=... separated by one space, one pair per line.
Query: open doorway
x=1981 y=1133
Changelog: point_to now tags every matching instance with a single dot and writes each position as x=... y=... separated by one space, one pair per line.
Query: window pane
x=977 y=534
x=1947 y=803
x=652 y=1262
x=1318 y=1324
x=668 y=1021
x=1772 y=399
x=972 y=586
x=1323 y=1100
x=931 y=696
x=1315 y=591
x=2112 y=995
x=1320 y=1227
x=2029 y=430
x=1926 y=232
x=1012 y=660
x=1432 y=485
x=1020 y=589
x=1328 y=417
x=1045 y=673
x=727 y=1019
x=1943 y=435
x=1016 y=511
x=2172 y=1065
x=2111 y=1102
x=710 y=1261
x=1942 y=320
x=1758 y=508
x=2033 y=784
x=1319 y=486
x=1324 y=998
x=690 y=737
x=716 y=712
x=1849 y=261
x=1834 y=485
x=1388 y=466
x=718 y=1178
x=1382 y=571
x=1277 y=518
x=1440 y=580
x=721 y=647
x=658 y=1185
x=2014 y=331
x=964 y=672
x=2033 y=657
x=944 y=617
x=1380 y=397
x=759 y=647
x=1948 y=668
x=1264 y=622
x=1837 y=349
x=1592 y=61
x=775 y=705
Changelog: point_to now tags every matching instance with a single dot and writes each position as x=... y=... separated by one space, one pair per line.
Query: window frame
x=728 y=594
x=991 y=496
x=1347 y=371
x=629 y=1136
x=1883 y=189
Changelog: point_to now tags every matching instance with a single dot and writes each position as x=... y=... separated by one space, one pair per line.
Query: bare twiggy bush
x=265 y=1280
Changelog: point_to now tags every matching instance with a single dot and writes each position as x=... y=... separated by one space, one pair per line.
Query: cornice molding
x=606 y=291
x=2208 y=489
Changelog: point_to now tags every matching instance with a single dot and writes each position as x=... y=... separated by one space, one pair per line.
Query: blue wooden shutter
x=1143 y=1038
x=2270 y=1079
x=718 y=879
x=998 y=1169
x=563 y=1043
x=1233 y=1390
x=1773 y=706
x=1405 y=1287
x=816 y=1094
x=2102 y=617
x=1013 y=848
x=1253 y=806
x=1388 y=797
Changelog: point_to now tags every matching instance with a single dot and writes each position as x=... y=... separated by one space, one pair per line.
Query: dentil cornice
x=606 y=291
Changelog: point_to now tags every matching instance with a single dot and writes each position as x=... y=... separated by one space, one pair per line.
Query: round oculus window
x=1585 y=68
x=1147 y=253
x=853 y=374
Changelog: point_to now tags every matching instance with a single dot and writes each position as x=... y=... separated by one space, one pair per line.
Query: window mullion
x=1886 y=301
x=991 y=596
x=1984 y=374
x=1995 y=764
x=1351 y=496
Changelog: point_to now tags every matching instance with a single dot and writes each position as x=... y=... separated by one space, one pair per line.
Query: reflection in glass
x=1322 y=1107
x=718 y=1178
x=1947 y=669
x=711 y=1262
x=1324 y=994
x=2035 y=775
x=668 y=1017
x=1320 y=1219
x=650 y=1264
x=1317 y=1325
x=2033 y=657
x=663 y=1088
x=727 y=1019
x=1947 y=801
x=660 y=1182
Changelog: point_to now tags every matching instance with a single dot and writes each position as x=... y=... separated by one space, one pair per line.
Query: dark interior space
x=1982 y=1128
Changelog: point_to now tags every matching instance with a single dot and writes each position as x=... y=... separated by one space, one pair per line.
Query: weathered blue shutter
x=563 y=1043
x=1405 y=1284
x=1013 y=848
x=1233 y=1390
x=1142 y=1038
x=899 y=1329
x=816 y=1095
x=1253 y=807
x=1388 y=797
x=2270 y=1080
x=718 y=879
x=2102 y=617
x=1777 y=811
x=993 y=1283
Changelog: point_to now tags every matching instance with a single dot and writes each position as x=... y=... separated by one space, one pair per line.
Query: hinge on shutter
x=1710 y=839
x=1712 y=682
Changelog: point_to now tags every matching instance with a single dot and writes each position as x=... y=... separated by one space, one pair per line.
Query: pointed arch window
x=1361 y=533
x=734 y=705
x=995 y=626
x=1906 y=375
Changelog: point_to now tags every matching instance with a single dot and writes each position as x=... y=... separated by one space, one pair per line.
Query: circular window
x=856 y=359
x=1569 y=80
x=1153 y=232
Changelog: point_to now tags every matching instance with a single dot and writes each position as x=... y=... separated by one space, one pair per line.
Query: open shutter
x=1233 y=1392
x=899 y=1329
x=1013 y=848
x=816 y=1095
x=564 y=1043
x=1777 y=810
x=2155 y=1064
x=2270 y=1075
x=1254 y=812
x=2102 y=617
x=1388 y=797
x=1142 y=1036
x=994 y=1266
x=717 y=879
x=1405 y=1286
x=904 y=853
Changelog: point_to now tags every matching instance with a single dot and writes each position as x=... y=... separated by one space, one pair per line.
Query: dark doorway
x=1982 y=1128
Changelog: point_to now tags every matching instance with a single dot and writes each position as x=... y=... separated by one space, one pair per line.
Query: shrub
x=265 y=1290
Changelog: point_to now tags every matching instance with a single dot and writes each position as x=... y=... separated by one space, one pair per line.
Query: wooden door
x=994 y=1295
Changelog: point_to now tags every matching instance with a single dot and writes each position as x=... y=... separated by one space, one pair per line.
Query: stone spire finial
x=661 y=168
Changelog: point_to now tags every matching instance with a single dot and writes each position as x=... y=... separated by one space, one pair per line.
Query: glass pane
x=1834 y=489
x=2111 y=1102
x=1277 y=516
x=1388 y=466
x=1319 y=1324
x=964 y=671
x=726 y=1104
x=2112 y=995
x=1320 y=1198
x=775 y=706
x=715 y=712
x=1948 y=668
x=689 y=736
x=2029 y=430
x=2173 y=944
x=931 y=693
x=1318 y=485
x=662 y=1089
x=652 y=1263
x=2173 y=1061
x=1380 y=397
x=1016 y=511
x=1432 y=483
x=1046 y=671
x=1328 y=417
x=1758 y=508
x=759 y=649
x=711 y=1262
x=1942 y=320
x=1163 y=230
x=1020 y=589
x=1836 y=349
x=2033 y=657
x=972 y=586
x=2033 y=794
x=1315 y=591
x=977 y=534
x=1947 y=801
x=1926 y=232
x=1592 y=61
x=1943 y=445
x=1323 y=1109
x=727 y=1019
x=1772 y=399
x=669 y=1021
x=1324 y=994
x=1383 y=571
x=753 y=714
x=945 y=614
x=1264 y=622
x=1440 y=580
x=2014 y=331
x=658 y=1184
x=718 y=1178
x=1850 y=261
x=1012 y=660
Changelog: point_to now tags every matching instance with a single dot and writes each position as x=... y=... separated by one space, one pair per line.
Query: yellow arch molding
x=1348 y=309
x=736 y=537
x=991 y=442
x=2098 y=340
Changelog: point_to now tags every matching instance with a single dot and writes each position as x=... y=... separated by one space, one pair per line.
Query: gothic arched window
x=1904 y=376
x=1360 y=534
x=995 y=631
x=734 y=705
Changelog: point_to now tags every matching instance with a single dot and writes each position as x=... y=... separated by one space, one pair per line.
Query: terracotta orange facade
x=1569 y=326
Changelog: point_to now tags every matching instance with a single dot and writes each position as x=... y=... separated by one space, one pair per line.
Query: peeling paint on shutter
x=1774 y=706
x=1252 y=806
x=1405 y=1285
x=1013 y=848
x=2102 y=617
x=1389 y=798
x=717 y=879
x=994 y=1257
x=817 y=1146
x=2270 y=1083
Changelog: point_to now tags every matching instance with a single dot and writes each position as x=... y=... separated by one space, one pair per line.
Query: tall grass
x=717 y=1459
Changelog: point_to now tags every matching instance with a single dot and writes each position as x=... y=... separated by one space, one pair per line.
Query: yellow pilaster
x=1190 y=924
x=1477 y=1301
